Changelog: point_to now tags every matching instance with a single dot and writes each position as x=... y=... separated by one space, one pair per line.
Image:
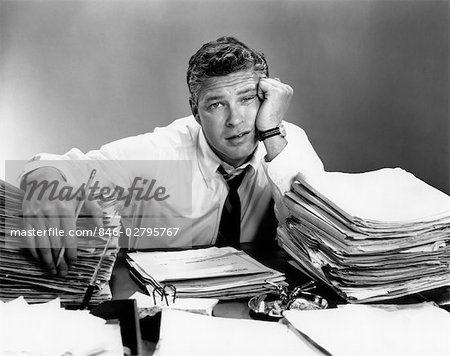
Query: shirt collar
x=209 y=162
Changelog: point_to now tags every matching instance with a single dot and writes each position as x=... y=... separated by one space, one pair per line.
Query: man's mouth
x=242 y=134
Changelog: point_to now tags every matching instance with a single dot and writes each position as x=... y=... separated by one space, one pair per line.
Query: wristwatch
x=279 y=130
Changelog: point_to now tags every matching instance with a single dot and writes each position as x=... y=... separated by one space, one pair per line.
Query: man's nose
x=236 y=116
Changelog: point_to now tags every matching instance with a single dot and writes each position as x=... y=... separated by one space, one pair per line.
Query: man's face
x=227 y=109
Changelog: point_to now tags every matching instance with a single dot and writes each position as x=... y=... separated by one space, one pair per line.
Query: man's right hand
x=46 y=213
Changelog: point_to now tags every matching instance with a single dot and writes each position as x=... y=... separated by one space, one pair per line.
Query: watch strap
x=262 y=135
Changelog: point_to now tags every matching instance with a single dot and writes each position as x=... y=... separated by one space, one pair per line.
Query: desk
x=123 y=286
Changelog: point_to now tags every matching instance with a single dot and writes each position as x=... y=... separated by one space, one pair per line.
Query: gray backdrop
x=371 y=78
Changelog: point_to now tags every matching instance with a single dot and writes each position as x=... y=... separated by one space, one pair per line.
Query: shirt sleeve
x=75 y=166
x=298 y=156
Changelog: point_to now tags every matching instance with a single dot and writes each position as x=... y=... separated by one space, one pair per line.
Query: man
x=236 y=134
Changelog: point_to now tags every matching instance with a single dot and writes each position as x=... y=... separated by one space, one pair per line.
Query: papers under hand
x=223 y=273
x=20 y=275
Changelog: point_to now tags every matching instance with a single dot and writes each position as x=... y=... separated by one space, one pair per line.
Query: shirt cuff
x=282 y=169
x=66 y=164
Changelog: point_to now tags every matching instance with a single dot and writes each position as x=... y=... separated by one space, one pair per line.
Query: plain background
x=371 y=77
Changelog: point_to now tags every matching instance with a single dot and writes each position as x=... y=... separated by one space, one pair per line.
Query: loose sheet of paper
x=353 y=330
x=196 y=305
x=47 y=329
x=187 y=334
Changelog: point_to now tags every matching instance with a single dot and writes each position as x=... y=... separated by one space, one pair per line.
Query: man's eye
x=248 y=98
x=214 y=106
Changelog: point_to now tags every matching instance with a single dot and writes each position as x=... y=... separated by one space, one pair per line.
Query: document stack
x=20 y=275
x=222 y=273
x=371 y=236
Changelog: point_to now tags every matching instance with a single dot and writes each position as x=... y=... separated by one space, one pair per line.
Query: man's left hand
x=275 y=97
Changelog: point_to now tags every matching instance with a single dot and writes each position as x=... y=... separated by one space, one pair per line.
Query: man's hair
x=221 y=57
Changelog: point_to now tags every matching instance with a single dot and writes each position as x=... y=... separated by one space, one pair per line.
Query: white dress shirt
x=183 y=141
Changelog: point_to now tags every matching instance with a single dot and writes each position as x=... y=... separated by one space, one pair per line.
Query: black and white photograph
x=210 y=177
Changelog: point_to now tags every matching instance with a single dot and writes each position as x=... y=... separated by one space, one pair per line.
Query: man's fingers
x=45 y=254
x=48 y=221
x=68 y=224
x=275 y=96
x=57 y=243
x=47 y=258
x=264 y=86
x=63 y=268
x=30 y=241
x=268 y=85
x=71 y=255
x=43 y=244
x=53 y=229
x=260 y=91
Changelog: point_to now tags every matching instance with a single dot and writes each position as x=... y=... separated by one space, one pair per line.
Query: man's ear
x=194 y=110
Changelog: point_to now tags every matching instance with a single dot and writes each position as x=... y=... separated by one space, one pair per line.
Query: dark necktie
x=230 y=222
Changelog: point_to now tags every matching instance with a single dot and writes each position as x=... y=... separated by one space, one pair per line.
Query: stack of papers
x=371 y=236
x=47 y=329
x=20 y=275
x=412 y=330
x=223 y=273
